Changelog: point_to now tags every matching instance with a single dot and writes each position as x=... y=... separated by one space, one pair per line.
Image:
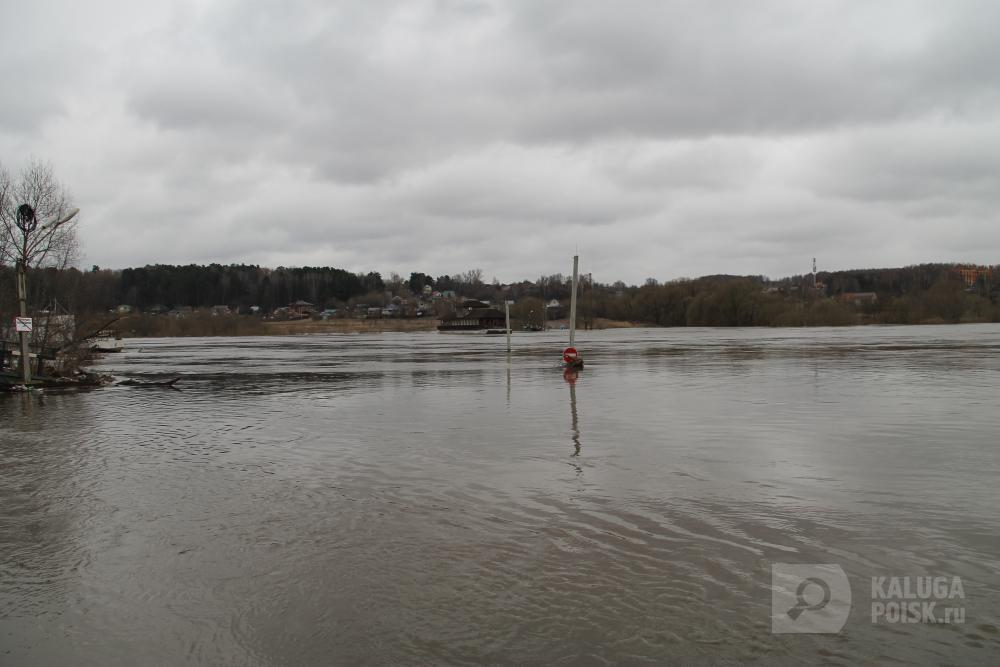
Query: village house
x=970 y=275
x=858 y=298
x=553 y=310
x=473 y=319
x=470 y=304
x=300 y=310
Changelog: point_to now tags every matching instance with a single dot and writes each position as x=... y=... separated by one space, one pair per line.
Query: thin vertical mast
x=506 y=310
x=572 y=303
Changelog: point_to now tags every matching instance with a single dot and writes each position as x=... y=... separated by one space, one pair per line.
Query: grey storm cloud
x=660 y=138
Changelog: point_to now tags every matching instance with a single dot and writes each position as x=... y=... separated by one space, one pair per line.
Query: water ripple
x=424 y=498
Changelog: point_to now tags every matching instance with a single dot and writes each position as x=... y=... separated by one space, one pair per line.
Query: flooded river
x=423 y=498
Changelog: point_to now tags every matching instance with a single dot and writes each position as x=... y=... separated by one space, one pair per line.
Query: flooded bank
x=423 y=498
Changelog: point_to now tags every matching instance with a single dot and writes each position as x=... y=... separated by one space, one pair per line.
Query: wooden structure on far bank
x=473 y=316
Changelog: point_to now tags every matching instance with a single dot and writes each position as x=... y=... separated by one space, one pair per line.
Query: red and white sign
x=23 y=324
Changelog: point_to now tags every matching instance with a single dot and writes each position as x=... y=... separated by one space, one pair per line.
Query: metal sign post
x=27 y=222
x=23 y=326
x=506 y=310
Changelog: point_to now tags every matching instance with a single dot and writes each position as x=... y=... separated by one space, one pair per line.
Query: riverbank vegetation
x=218 y=300
x=734 y=301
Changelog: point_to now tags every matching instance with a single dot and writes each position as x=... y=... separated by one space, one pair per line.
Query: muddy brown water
x=420 y=498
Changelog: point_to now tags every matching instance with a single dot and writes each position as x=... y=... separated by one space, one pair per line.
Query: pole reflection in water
x=508 y=380
x=27 y=414
x=570 y=375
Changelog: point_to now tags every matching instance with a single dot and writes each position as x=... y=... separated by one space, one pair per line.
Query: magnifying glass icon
x=802 y=604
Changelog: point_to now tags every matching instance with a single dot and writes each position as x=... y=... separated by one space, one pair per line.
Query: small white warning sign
x=23 y=324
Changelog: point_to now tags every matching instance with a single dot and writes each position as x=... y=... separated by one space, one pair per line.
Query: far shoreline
x=254 y=327
x=373 y=326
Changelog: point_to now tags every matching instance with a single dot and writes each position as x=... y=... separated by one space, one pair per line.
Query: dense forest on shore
x=927 y=293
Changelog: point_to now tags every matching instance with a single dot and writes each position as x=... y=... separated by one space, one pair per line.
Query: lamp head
x=55 y=222
x=26 y=220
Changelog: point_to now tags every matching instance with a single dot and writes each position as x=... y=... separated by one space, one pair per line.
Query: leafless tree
x=395 y=283
x=6 y=203
x=47 y=245
x=472 y=277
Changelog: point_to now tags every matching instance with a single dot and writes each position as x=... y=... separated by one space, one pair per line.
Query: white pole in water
x=572 y=302
x=506 y=310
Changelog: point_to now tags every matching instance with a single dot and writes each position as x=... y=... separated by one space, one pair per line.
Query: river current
x=427 y=498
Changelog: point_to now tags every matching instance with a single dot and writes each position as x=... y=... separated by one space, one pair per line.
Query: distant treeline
x=909 y=295
x=927 y=293
x=743 y=302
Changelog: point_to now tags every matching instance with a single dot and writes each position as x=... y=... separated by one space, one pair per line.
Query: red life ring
x=570 y=355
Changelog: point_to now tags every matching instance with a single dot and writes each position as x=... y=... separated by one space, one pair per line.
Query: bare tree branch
x=37 y=186
x=7 y=239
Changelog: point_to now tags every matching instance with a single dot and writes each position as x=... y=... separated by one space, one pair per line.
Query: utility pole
x=22 y=298
x=28 y=223
x=506 y=310
x=572 y=302
x=590 y=294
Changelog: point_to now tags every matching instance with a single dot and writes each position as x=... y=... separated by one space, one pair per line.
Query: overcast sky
x=662 y=139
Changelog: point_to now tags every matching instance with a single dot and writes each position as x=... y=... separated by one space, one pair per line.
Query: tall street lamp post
x=28 y=223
